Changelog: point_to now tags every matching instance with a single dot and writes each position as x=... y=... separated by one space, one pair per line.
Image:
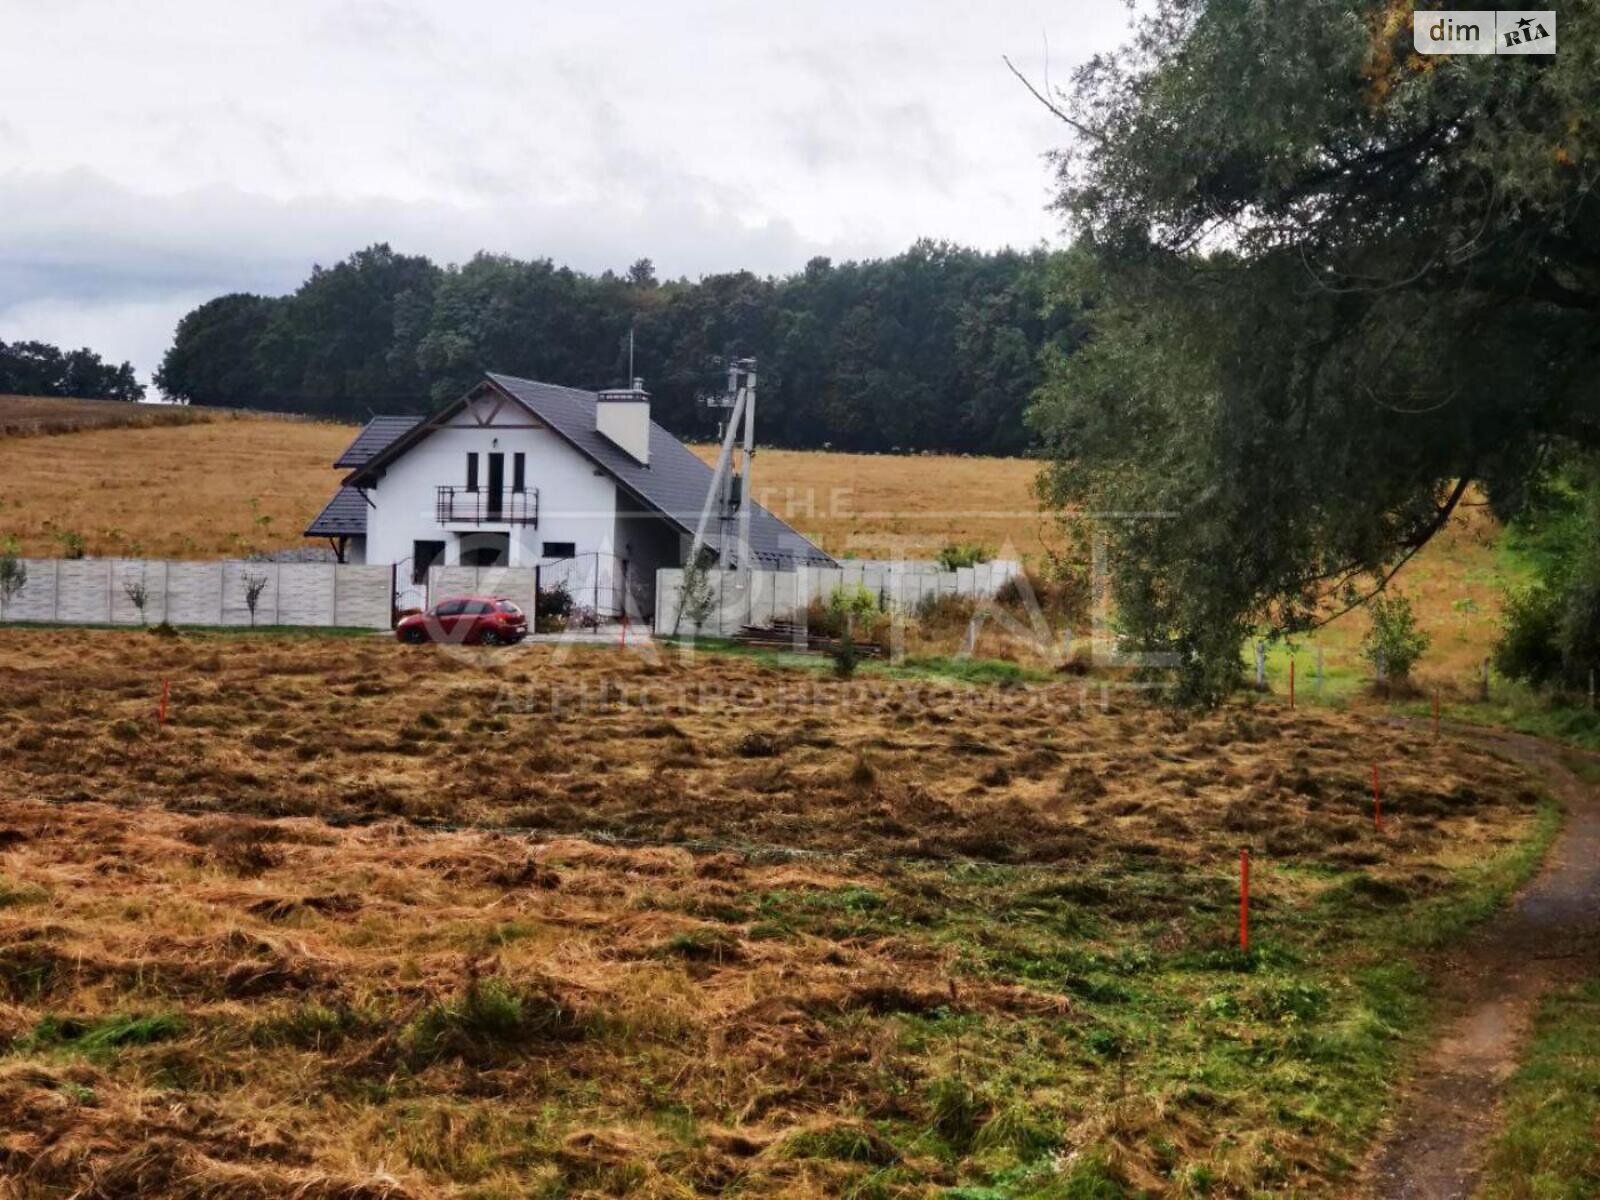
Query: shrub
x=855 y=601
x=1529 y=629
x=963 y=554
x=13 y=574
x=254 y=586
x=945 y=613
x=552 y=608
x=71 y=543
x=1394 y=643
x=697 y=600
x=846 y=655
x=138 y=595
x=1062 y=593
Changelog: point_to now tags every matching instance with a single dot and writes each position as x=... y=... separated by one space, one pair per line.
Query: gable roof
x=377 y=434
x=343 y=516
x=674 y=483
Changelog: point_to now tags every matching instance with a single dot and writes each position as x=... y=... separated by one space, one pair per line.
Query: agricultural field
x=25 y=416
x=265 y=478
x=362 y=920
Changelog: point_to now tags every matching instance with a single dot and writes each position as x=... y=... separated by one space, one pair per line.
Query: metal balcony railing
x=458 y=506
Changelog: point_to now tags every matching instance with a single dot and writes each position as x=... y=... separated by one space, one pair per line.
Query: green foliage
x=40 y=369
x=846 y=655
x=856 y=601
x=1547 y=1147
x=13 y=573
x=933 y=348
x=963 y=554
x=956 y=1111
x=100 y=1037
x=1393 y=643
x=1330 y=290
x=489 y=1020
x=552 y=608
x=71 y=543
x=1550 y=630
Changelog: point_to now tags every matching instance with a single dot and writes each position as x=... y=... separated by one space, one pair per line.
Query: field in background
x=699 y=926
x=26 y=416
x=240 y=484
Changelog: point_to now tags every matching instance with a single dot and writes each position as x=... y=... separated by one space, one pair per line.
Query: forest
x=938 y=348
x=40 y=369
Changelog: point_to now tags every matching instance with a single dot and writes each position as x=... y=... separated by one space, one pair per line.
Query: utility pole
x=728 y=495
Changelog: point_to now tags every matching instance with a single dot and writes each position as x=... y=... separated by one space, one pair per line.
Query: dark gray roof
x=344 y=516
x=379 y=432
x=674 y=483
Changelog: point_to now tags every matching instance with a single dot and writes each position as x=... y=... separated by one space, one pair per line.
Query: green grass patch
x=957 y=667
x=1547 y=1148
x=1481 y=891
x=1516 y=706
x=101 y=1037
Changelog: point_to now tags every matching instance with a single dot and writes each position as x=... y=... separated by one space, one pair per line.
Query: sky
x=155 y=155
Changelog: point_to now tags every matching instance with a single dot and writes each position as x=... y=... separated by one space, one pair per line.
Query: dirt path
x=1551 y=933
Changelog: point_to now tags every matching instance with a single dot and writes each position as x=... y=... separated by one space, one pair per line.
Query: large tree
x=1334 y=285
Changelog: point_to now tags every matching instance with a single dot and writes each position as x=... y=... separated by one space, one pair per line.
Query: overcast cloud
x=154 y=155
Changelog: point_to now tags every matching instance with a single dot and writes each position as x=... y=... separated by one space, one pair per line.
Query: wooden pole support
x=161 y=709
x=1377 y=801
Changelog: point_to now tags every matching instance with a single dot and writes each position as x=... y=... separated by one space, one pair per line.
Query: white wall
x=575 y=504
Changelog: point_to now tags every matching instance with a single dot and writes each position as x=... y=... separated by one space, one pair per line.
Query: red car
x=464 y=620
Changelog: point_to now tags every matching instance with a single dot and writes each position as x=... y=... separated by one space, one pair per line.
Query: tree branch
x=1051 y=105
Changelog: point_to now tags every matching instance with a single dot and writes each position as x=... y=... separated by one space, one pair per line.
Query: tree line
x=936 y=348
x=40 y=369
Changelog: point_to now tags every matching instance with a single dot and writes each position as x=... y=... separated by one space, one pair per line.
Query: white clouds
x=192 y=148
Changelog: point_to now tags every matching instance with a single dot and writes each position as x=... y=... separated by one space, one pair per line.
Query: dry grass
x=911 y=506
x=25 y=416
x=875 y=938
x=227 y=486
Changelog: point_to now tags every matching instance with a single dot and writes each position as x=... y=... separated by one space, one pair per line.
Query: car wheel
x=490 y=637
x=415 y=636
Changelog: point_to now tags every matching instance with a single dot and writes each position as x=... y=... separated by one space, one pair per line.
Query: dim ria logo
x=1485 y=31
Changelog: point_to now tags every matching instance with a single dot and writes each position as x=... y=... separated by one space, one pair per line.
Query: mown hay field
x=370 y=920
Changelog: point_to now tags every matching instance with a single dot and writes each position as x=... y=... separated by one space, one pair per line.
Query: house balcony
x=459 y=506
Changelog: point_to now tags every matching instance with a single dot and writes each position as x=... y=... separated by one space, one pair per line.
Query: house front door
x=497 y=487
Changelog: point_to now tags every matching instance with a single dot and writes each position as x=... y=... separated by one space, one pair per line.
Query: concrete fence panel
x=194 y=593
x=84 y=591
x=96 y=591
x=363 y=596
x=775 y=595
x=305 y=594
x=37 y=599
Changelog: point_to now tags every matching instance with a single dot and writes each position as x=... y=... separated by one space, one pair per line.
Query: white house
x=521 y=474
